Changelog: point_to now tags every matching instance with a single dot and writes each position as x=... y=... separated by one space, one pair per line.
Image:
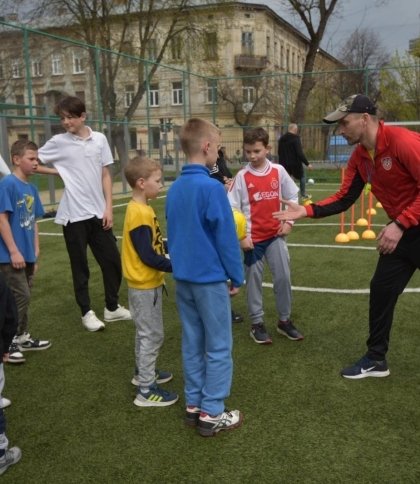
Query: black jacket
x=291 y=154
x=8 y=316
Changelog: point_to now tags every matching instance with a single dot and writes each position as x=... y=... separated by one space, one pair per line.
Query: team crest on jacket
x=387 y=163
x=274 y=184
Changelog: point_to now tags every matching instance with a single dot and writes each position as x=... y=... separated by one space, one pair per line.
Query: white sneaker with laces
x=120 y=314
x=12 y=456
x=5 y=402
x=26 y=343
x=91 y=322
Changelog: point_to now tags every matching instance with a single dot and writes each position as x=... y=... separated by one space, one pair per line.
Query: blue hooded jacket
x=202 y=240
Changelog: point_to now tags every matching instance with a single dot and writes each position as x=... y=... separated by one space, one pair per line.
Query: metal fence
x=140 y=105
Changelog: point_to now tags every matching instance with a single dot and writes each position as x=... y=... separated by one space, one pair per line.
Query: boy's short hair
x=140 y=167
x=194 y=132
x=71 y=105
x=254 y=135
x=20 y=146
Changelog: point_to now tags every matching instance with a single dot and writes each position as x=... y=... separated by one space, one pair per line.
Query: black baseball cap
x=358 y=103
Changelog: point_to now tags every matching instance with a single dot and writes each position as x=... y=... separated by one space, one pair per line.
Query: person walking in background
x=205 y=254
x=20 y=206
x=292 y=157
x=386 y=160
x=144 y=264
x=82 y=158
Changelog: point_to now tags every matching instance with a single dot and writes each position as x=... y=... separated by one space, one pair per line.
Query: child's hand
x=17 y=260
x=5 y=357
x=246 y=244
x=233 y=291
x=285 y=229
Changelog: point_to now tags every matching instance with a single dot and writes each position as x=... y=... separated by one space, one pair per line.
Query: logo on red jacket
x=274 y=184
x=387 y=163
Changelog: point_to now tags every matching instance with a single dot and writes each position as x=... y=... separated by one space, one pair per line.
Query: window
x=210 y=44
x=176 y=48
x=39 y=103
x=20 y=99
x=293 y=62
x=129 y=95
x=1 y=70
x=57 y=64
x=78 y=63
x=268 y=47
x=276 y=53
x=177 y=93
x=211 y=91
x=133 y=139
x=247 y=43
x=155 y=130
x=127 y=48
x=248 y=93
x=16 y=69
x=154 y=95
x=36 y=68
x=281 y=57
x=288 y=60
x=152 y=49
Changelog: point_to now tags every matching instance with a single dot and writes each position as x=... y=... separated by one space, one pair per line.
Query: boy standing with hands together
x=205 y=253
x=144 y=264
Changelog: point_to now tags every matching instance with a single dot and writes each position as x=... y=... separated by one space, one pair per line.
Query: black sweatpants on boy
x=80 y=235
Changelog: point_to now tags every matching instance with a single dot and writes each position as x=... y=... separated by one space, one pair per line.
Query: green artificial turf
x=73 y=414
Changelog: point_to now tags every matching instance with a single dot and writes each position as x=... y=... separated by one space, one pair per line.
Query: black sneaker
x=237 y=318
x=228 y=420
x=286 y=328
x=366 y=367
x=192 y=414
x=259 y=334
x=15 y=355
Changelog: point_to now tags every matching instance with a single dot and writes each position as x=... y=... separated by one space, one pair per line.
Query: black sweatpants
x=392 y=274
x=80 y=235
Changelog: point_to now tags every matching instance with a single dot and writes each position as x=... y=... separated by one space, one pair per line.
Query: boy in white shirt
x=82 y=157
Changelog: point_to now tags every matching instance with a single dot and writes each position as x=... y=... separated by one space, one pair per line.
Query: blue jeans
x=205 y=313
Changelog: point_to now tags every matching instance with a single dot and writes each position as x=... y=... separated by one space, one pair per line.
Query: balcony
x=250 y=62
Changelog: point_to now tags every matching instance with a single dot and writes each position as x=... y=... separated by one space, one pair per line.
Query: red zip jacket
x=394 y=176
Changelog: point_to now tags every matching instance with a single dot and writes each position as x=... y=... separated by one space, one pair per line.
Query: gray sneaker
x=208 y=426
x=12 y=456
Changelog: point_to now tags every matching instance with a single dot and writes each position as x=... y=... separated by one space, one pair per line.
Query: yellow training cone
x=368 y=235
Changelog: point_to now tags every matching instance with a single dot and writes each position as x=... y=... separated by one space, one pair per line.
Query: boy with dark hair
x=205 y=253
x=20 y=206
x=82 y=158
x=8 y=325
x=257 y=191
x=144 y=264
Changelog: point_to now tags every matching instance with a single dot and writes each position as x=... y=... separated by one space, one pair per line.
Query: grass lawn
x=73 y=414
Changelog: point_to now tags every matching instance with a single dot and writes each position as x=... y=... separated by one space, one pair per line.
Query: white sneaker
x=5 y=402
x=12 y=456
x=120 y=314
x=91 y=322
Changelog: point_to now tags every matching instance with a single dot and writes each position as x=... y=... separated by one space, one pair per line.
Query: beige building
x=239 y=65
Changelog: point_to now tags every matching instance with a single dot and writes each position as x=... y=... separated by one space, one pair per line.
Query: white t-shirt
x=79 y=161
x=4 y=169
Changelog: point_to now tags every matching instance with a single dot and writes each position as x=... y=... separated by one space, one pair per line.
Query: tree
x=400 y=89
x=315 y=16
x=124 y=31
x=364 y=55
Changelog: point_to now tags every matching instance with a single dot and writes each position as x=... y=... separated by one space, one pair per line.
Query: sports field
x=73 y=414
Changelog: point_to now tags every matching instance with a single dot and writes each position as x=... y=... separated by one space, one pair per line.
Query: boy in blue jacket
x=205 y=253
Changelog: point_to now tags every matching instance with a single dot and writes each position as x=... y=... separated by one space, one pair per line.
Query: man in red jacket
x=386 y=160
